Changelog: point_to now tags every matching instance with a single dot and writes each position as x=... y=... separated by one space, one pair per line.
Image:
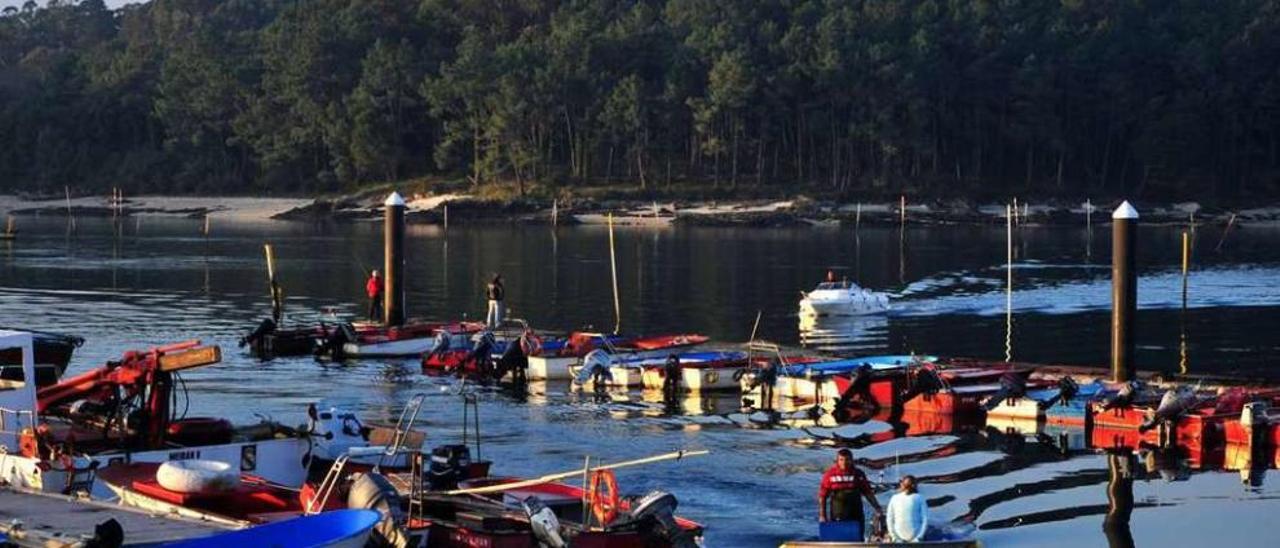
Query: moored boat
x=333 y=529
x=59 y=435
x=53 y=352
x=556 y=365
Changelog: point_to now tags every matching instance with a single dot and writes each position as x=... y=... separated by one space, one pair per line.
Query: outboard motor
x=332 y=345
x=544 y=523
x=1012 y=385
x=267 y=327
x=923 y=380
x=514 y=360
x=1175 y=402
x=375 y=492
x=1067 y=389
x=859 y=385
x=1123 y=397
x=594 y=365
x=449 y=465
x=661 y=506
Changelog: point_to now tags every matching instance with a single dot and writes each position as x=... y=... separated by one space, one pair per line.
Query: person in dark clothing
x=373 y=288
x=497 y=307
x=766 y=379
x=672 y=372
x=843 y=488
x=859 y=393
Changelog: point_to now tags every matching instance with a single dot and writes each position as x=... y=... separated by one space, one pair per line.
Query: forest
x=1173 y=98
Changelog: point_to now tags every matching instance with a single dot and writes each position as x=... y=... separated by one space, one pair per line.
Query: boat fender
x=197 y=476
x=603 y=496
x=375 y=492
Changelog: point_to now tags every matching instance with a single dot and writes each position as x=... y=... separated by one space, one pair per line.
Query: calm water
x=153 y=281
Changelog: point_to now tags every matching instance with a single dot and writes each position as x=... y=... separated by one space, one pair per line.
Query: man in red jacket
x=845 y=486
x=373 y=288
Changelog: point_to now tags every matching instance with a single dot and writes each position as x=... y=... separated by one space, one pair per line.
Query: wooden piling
x=393 y=304
x=446 y=215
x=613 y=265
x=857 y=217
x=555 y=213
x=1124 y=291
x=273 y=285
x=902 y=210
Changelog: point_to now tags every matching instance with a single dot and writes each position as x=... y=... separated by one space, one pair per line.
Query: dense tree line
x=1071 y=96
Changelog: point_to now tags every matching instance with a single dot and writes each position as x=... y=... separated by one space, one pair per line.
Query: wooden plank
x=187 y=359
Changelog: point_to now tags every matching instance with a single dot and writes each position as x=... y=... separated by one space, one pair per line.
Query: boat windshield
x=835 y=285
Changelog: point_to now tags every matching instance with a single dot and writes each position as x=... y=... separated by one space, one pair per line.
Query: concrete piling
x=393 y=260
x=1124 y=291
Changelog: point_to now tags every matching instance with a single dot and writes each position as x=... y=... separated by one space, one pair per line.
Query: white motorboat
x=842 y=299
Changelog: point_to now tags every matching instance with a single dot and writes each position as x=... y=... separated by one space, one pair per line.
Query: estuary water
x=150 y=280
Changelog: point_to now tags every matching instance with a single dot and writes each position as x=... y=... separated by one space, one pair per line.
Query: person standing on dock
x=497 y=308
x=908 y=513
x=844 y=486
x=373 y=288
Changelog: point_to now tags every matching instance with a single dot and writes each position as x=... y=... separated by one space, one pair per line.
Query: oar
x=564 y=475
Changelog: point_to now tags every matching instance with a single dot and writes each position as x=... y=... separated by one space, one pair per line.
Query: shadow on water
x=1015 y=484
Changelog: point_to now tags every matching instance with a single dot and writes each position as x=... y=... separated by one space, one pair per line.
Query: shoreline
x=755 y=213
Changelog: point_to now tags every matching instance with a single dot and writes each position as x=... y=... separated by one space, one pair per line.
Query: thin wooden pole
x=555 y=213
x=564 y=475
x=1008 y=293
x=1230 y=223
x=446 y=216
x=613 y=264
x=1088 y=213
x=857 y=217
x=8 y=229
x=1186 y=264
x=71 y=219
x=756 y=326
x=206 y=225
x=902 y=210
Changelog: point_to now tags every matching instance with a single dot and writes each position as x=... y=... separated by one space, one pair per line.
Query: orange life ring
x=603 y=496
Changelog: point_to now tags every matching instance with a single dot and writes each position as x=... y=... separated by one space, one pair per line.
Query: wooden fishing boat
x=53 y=352
x=704 y=372
x=402 y=341
x=815 y=381
x=1065 y=404
x=57 y=436
x=698 y=369
x=251 y=500
x=555 y=365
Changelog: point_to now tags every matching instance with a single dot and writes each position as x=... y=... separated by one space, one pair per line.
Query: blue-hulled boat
x=335 y=529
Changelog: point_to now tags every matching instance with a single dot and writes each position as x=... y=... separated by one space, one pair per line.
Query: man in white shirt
x=908 y=513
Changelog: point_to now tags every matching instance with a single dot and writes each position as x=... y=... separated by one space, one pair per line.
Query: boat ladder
x=318 y=502
x=408 y=416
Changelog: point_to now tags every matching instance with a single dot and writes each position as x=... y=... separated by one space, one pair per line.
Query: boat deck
x=35 y=519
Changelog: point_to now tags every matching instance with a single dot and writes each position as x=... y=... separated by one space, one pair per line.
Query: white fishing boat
x=49 y=448
x=842 y=299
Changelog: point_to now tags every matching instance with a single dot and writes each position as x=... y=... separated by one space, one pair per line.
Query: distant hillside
x=1161 y=99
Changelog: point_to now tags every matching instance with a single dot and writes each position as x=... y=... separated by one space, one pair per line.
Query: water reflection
x=844 y=335
x=1120 y=469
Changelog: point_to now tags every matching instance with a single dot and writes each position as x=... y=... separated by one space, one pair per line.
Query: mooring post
x=902 y=210
x=393 y=264
x=1124 y=290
